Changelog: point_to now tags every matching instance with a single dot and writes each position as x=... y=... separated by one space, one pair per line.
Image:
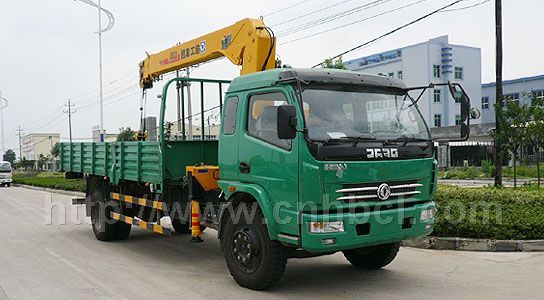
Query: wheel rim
x=246 y=249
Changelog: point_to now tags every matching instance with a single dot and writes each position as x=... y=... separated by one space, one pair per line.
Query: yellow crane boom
x=247 y=43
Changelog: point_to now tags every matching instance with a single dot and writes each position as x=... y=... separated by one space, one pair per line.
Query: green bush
x=54 y=181
x=487 y=168
x=490 y=213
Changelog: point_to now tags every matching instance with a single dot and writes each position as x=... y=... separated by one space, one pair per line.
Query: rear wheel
x=374 y=257
x=254 y=261
x=105 y=228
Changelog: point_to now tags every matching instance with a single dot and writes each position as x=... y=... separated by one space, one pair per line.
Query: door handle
x=244 y=167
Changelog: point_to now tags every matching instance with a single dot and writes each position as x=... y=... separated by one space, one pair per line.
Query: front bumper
x=367 y=228
x=5 y=180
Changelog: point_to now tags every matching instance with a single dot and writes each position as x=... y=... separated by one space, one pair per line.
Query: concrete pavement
x=65 y=261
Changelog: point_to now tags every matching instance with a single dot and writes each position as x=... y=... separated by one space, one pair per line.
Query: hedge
x=489 y=213
x=59 y=183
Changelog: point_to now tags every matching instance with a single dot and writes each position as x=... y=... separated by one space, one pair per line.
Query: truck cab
x=336 y=159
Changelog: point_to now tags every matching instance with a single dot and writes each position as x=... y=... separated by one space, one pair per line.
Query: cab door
x=268 y=161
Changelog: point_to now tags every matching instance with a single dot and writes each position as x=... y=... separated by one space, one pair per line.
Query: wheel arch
x=244 y=192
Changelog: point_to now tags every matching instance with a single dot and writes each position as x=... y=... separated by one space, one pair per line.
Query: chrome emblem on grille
x=384 y=191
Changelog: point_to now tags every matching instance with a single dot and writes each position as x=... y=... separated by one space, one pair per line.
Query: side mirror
x=287 y=122
x=466 y=112
x=475 y=113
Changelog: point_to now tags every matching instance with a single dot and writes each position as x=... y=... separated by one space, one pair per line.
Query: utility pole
x=3 y=104
x=20 y=135
x=69 y=111
x=499 y=93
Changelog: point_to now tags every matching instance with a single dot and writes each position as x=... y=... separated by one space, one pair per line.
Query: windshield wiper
x=354 y=139
x=407 y=140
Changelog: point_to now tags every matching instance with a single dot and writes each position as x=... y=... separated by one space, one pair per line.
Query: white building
x=435 y=61
x=519 y=90
x=35 y=144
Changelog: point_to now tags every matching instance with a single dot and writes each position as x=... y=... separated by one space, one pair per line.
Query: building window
x=538 y=94
x=485 y=103
x=436 y=71
x=437 y=120
x=391 y=74
x=437 y=96
x=458 y=73
x=457 y=120
x=513 y=97
x=399 y=75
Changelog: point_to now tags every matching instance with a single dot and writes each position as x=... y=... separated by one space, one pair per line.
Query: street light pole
x=101 y=130
x=3 y=104
x=111 y=20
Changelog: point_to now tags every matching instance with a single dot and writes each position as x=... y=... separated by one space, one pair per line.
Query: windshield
x=5 y=167
x=344 y=112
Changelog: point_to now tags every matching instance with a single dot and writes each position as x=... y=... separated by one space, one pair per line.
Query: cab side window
x=229 y=122
x=262 y=118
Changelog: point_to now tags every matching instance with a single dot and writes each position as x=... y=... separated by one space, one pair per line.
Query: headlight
x=326 y=227
x=427 y=214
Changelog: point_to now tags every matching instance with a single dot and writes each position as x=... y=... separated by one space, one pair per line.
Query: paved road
x=65 y=261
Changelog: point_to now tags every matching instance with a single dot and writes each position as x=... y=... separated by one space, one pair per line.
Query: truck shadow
x=318 y=276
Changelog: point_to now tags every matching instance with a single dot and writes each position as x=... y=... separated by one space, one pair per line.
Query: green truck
x=310 y=162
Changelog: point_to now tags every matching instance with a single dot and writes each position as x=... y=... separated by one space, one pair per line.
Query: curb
x=466 y=244
x=42 y=189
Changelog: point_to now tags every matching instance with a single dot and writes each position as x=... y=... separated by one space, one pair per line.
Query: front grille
x=368 y=191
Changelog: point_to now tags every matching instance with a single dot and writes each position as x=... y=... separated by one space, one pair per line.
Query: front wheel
x=373 y=257
x=253 y=260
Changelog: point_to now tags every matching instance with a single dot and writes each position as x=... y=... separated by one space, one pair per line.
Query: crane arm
x=247 y=43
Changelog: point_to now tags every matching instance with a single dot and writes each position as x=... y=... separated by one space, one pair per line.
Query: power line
x=286 y=8
x=393 y=31
x=355 y=22
x=331 y=18
x=311 y=13
x=466 y=7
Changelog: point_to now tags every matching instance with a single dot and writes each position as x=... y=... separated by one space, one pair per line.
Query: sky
x=49 y=49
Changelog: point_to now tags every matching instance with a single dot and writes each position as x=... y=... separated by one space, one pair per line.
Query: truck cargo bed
x=137 y=161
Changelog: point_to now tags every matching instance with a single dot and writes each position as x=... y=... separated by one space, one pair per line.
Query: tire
x=123 y=229
x=374 y=257
x=104 y=227
x=8 y=184
x=253 y=260
x=183 y=227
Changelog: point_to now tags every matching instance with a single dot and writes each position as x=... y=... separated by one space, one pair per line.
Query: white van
x=6 y=173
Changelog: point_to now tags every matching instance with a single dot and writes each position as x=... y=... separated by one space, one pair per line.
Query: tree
x=9 y=155
x=330 y=64
x=126 y=135
x=513 y=130
x=535 y=130
x=55 y=151
x=42 y=160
